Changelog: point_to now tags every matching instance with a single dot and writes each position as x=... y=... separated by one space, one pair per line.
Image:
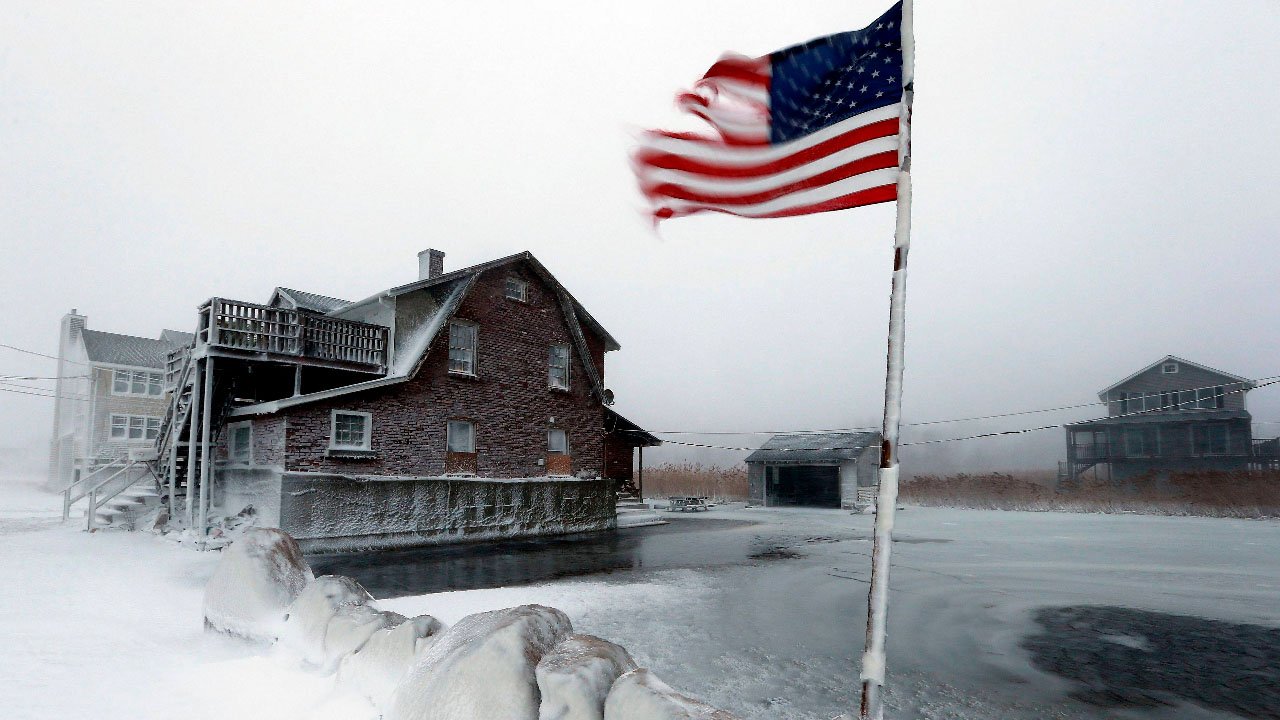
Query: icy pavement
x=109 y=624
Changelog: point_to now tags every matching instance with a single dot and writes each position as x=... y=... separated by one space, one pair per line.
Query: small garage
x=813 y=469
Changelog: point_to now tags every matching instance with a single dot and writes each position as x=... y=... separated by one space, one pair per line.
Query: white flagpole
x=873 y=657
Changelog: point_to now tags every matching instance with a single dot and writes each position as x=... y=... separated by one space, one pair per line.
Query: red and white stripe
x=851 y=163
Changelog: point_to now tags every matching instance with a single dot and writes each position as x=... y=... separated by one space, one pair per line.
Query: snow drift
x=481 y=668
x=375 y=670
x=640 y=695
x=307 y=622
x=256 y=580
x=575 y=677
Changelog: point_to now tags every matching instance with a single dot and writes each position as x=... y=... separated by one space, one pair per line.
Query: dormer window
x=517 y=289
x=1169 y=368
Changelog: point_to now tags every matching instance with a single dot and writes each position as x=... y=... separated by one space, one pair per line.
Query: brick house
x=466 y=404
x=108 y=398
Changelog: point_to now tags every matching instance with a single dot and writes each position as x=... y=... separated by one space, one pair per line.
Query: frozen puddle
x=683 y=543
x=1123 y=657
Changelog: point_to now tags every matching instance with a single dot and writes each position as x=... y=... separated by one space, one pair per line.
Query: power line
x=43 y=394
x=43 y=355
x=1257 y=383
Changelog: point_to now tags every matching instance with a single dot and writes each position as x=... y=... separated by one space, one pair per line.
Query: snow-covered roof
x=449 y=290
x=405 y=364
x=541 y=270
x=804 y=448
x=304 y=300
x=114 y=349
x=1171 y=358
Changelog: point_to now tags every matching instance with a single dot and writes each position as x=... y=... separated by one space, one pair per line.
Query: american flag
x=811 y=128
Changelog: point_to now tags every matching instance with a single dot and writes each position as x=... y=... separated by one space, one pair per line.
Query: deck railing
x=236 y=325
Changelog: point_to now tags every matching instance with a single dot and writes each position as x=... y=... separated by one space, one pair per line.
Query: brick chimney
x=430 y=264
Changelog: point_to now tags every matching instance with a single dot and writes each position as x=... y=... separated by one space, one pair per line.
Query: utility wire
x=40 y=354
x=1256 y=384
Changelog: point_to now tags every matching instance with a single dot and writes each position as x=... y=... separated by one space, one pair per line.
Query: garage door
x=809 y=485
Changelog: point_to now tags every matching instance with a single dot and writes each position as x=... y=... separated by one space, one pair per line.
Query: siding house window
x=134 y=427
x=1210 y=398
x=558 y=364
x=137 y=382
x=351 y=430
x=1169 y=368
x=462 y=348
x=461 y=436
x=1211 y=439
x=517 y=289
x=1141 y=442
x=240 y=447
x=557 y=442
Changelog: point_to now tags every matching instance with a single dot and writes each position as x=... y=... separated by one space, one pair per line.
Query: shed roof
x=114 y=349
x=805 y=448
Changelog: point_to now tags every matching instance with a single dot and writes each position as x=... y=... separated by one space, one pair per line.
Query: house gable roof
x=302 y=300
x=450 y=290
x=1102 y=394
x=114 y=349
x=804 y=448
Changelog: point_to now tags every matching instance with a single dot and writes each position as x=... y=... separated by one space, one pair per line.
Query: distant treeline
x=713 y=481
x=1240 y=494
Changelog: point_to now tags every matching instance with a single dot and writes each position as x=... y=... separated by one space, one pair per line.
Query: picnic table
x=687 y=503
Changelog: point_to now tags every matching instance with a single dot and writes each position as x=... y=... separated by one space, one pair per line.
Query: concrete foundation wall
x=329 y=512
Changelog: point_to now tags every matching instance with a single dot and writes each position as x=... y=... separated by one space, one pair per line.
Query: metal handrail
x=96 y=501
x=68 y=501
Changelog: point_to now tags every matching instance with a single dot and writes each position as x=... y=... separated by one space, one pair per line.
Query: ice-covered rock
x=350 y=628
x=307 y=621
x=375 y=669
x=640 y=695
x=481 y=668
x=575 y=677
x=257 y=578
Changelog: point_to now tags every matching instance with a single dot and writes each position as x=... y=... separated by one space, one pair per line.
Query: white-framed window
x=557 y=441
x=460 y=436
x=558 y=367
x=517 y=289
x=137 y=382
x=134 y=427
x=1205 y=399
x=1169 y=368
x=462 y=347
x=351 y=430
x=240 y=442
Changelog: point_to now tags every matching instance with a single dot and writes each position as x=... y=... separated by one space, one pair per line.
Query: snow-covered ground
x=109 y=624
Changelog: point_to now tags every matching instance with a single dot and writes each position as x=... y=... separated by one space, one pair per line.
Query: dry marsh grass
x=1241 y=494
x=713 y=481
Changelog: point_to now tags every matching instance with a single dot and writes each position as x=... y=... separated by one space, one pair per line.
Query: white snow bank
x=575 y=677
x=350 y=628
x=307 y=621
x=482 y=668
x=640 y=695
x=375 y=669
x=258 y=577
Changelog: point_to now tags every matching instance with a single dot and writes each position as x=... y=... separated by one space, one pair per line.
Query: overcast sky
x=1094 y=189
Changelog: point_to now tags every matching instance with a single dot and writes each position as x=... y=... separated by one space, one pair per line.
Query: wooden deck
x=240 y=329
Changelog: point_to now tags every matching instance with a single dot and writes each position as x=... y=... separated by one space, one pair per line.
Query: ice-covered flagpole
x=873 y=657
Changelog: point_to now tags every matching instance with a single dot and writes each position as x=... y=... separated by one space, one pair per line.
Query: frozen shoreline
x=111 y=620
